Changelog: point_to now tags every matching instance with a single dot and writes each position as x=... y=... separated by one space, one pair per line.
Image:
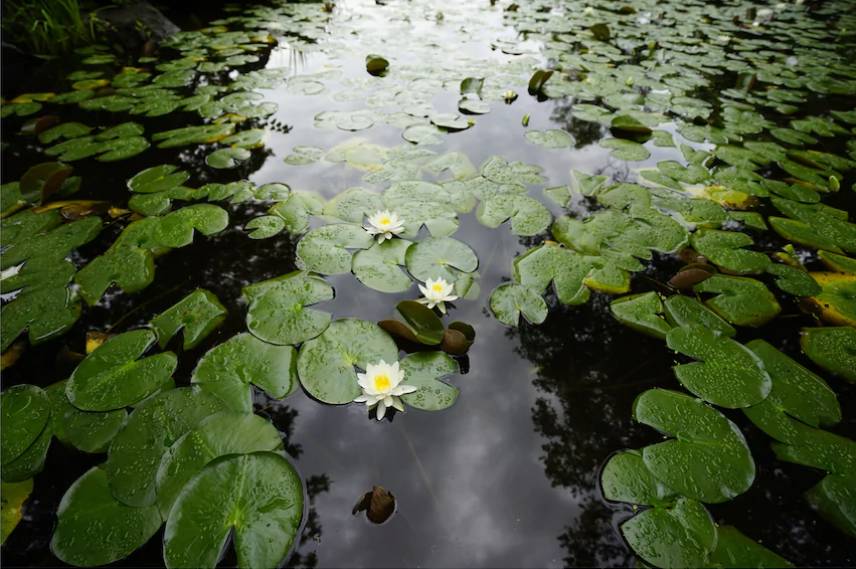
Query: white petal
x=381 y=410
x=405 y=389
x=362 y=399
x=396 y=402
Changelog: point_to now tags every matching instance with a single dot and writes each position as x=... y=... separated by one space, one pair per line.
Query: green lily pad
x=94 y=528
x=423 y=134
x=251 y=138
x=626 y=126
x=796 y=392
x=257 y=496
x=683 y=535
x=65 y=130
x=86 y=431
x=297 y=210
x=264 y=227
x=224 y=158
x=740 y=300
x=687 y=311
x=325 y=249
x=278 y=311
x=509 y=300
x=832 y=348
x=220 y=434
x=641 y=312
x=303 y=155
x=440 y=257
x=424 y=324
x=326 y=363
x=30 y=462
x=424 y=370
x=725 y=249
x=735 y=550
x=709 y=461
x=625 y=478
x=528 y=216
x=381 y=266
x=794 y=280
x=157 y=179
x=835 y=498
x=12 y=498
x=626 y=149
x=25 y=412
x=185 y=136
x=836 y=299
x=112 y=377
x=198 y=314
x=136 y=452
x=227 y=370
x=728 y=374
x=551 y=138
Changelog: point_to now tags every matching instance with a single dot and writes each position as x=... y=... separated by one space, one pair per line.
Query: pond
x=641 y=210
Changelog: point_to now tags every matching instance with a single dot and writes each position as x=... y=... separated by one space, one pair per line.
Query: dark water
x=508 y=477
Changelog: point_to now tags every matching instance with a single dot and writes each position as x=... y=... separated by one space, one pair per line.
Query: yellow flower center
x=437 y=287
x=385 y=221
x=382 y=382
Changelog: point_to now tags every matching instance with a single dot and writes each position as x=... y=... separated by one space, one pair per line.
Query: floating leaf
x=326 y=363
x=683 y=535
x=641 y=312
x=12 y=498
x=85 y=431
x=625 y=478
x=325 y=249
x=257 y=496
x=552 y=138
x=220 y=434
x=709 y=461
x=687 y=311
x=381 y=266
x=227 y=370
x=225 y=158
x=112 y=377
x=727 y=374
x=198 y=314
x=193 y=135
x=94 y=528
x=440 y=257
x=835 y=498
x=264 y=227
x=136 y=452
x=25 y=413
x=626 y=149
x=836 y=302
x=625 y=126
x=425 y=370
x=278 y=311
x=725 y=249
x=422 y=322
x=735 y=550
x=508 y=301
x=833 y=349
x=157 y=179
x=740 y=300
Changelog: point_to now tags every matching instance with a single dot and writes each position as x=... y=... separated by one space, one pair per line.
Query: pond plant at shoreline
x=741 y=222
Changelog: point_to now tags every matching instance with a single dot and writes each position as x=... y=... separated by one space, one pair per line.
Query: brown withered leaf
x=379 y=505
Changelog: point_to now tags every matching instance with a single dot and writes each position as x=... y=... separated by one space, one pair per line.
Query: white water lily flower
x=384 y=224
x=381 y=385
x=437 y=292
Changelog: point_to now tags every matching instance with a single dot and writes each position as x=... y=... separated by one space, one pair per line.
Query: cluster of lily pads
x=197 y=458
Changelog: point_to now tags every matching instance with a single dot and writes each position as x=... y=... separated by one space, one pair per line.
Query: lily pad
x=836 y=301
x=326 y=363
x=832 y=348
x=12 y=498
x=683 y=535
x=710 y=460
x=509 y=300
x=198 y=314
x=257 y=496
x=185 y=136
x=376 y=64
x=740 y=300
x=136 y=452
x=725 y=249
x=157 y=179
x=227 y=370
x=440 y=257
x=641 y=312
x=220 y=434
x=112 y=377
x=278 y=311
x=625 y=478
x=626 y=149
x=425 y=370
x=25 y=412
x=94 y=528
x=325 y=249
x=224 y=158
x=735 y=550
x=728 y=374
x=86 y=431
x=381 y=266
x=552 y=138
x=687 y=311
x=835 y=498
